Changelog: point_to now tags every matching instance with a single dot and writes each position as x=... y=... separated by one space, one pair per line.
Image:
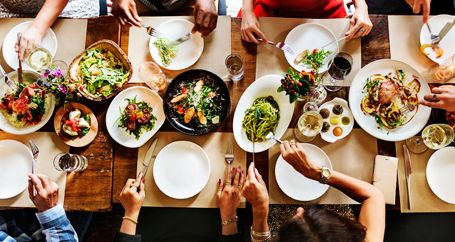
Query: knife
x=149 y=156
x=444 y=31
x=19 y=69
x=408 y=173
x=182 y=39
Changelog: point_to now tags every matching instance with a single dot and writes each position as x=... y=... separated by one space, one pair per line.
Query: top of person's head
x=321 y=225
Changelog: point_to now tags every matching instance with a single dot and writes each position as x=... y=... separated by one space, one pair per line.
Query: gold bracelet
x=230 y=221
x=130 y=219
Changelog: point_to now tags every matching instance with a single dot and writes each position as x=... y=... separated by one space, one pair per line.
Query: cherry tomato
x=180 y=109
x=315 y=51
x=133 y=118
x=184 y=90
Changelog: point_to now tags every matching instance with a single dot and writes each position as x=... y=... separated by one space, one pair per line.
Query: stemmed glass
x=340 y=66
x=309 y=124
x=416 y=145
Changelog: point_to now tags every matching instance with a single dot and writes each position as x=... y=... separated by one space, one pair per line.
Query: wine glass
x=442 y=72
x=339 y=67
x=437 y=136
x=416 y=145
x=309 y=124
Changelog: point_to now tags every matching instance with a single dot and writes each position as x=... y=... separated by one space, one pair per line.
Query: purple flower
x=62 y=89
x=57 y=73
x=46 y=73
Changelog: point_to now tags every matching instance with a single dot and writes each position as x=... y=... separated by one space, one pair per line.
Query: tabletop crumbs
x=280 y=213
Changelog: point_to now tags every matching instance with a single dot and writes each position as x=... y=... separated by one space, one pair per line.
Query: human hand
x=29 y=39
x=131 y=197
x=421 y=6
x=250 y=28
x=126 y=12
x=228 y=194
x=255 y=191
x=295 y=155
x=205 y=17
x=442 y=97
x=46 y=192
x=360 y=23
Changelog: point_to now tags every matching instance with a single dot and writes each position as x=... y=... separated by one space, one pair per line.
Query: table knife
x=149 y=156
x=447 y=27
x=182 y=39
x=408 y=173
x=19 y=69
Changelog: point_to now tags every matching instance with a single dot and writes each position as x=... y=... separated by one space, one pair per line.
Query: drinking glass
x=416 y=145
x=339 y=67
x=234 y=65
x=62 y=65
x=39 y=59
x=443 y=72
x=309 y=124
x=317 y=94
x=437 y=136
x=70 y=162
x=153 y=76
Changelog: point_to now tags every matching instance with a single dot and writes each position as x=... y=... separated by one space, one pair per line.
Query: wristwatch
x=325 y=175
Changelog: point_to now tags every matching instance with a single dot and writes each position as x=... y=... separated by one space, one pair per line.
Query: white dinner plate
x=181 y=169
x=296 y=185
x=142 y=94
x=309 y=36
x=367 y=122
x=188 y=52
x=15 y=164
x=440 y=174
x=6 y=126
x=9 y=53
x=447 y=43
x=262 y=87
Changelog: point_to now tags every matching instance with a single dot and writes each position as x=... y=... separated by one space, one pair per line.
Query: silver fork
x=280 y=45
x=152 y=31
x=434 y=38
x=229 y=155
x=35 y=152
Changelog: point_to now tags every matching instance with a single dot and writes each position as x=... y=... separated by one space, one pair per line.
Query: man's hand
x=131 y=197
x=442 y=97
x=421 y=6
x=205 y=17
x=125 y=11
x=46 y=192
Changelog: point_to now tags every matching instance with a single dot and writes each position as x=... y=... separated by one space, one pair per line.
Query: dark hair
x=321 y=225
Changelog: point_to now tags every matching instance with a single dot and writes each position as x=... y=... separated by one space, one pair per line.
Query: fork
x=152 y=31
x=229 y=155
x=434 y=38
x=280 y=45
x=35 y=152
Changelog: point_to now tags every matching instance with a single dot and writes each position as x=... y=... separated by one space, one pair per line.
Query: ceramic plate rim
x=423 y=30
x=428 y=172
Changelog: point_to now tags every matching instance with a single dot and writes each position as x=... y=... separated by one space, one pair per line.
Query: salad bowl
x=104 y=82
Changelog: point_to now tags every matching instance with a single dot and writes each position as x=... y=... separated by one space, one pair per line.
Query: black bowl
x=174 y=118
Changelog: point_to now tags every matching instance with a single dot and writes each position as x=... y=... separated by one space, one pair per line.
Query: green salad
x=166 y=50
x=102 y=72
x=313 y=59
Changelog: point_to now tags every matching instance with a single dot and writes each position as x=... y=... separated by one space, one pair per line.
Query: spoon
x=271 y=136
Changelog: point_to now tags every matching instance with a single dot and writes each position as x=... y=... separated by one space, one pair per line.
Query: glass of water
x=234 y=65
x=437 y=136
x=70 y=162
x=339 y=68
x=153 y=76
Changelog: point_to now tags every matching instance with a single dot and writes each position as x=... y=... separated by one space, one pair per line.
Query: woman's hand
x=295 y=155
x=250 y=28
x=29 y=40
x=421 y=6
x=229 y=195
x=360 y=23
x=205 y=17
x=126 y=12
x=131 y=197
x=255 y=191
x=442 y=97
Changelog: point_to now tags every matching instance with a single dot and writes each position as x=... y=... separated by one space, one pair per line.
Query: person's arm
x=360 y=23
x=442 y=97
x=34 y=34
x=52 y=217
x=205 y=17
x=372 y=212
x=131 y=197
x=250 y=25
x=421 y=6
x=126 y=12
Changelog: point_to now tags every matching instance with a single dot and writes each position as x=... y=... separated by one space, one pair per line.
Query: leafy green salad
x=166 y=50
x=102 y=72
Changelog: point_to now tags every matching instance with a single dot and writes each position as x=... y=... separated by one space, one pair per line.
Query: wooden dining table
x=98 y=187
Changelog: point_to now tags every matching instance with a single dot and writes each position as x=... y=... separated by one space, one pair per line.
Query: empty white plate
x=15 y=164
x=188 y=52
x=9 y=53
x=296 y=185
x=440 y=174
x=118 y=104
x=309 y=36
x=181 y=169
x=447 y=43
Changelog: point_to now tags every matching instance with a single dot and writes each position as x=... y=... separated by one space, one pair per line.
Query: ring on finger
x=435 y=98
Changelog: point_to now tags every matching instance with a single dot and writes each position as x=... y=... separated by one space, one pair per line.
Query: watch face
x=325 y=172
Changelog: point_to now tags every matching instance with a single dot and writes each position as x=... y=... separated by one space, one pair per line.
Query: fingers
x=286 y=145
x=36 y=182
x=433 y=104
x=131 y=19
x=142 y=190
x=258 y=176
x=251 y=175
x=354 y=31
x=440 y=89
x=242 y=180
x=44 y=181
x=30 y=189
x=426 y=11
x=228 y=180
x=237 y=177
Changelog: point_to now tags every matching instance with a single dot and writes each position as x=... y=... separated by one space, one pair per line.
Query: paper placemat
x=404 y=37
x=353 y=156
x=50 y=145
x=70 y=34
x=270 y=60
x=214 y=145
x=217 y=46
x=422 y=198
